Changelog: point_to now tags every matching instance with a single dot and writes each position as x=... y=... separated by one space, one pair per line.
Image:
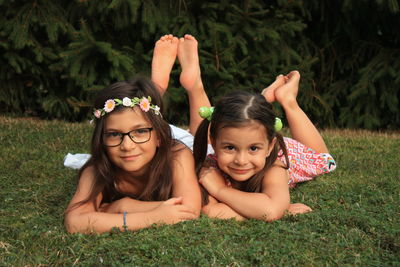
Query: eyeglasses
x=139 y=136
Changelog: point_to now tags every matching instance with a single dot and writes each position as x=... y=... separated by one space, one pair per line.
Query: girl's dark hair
x=159 y=185
x=237 y=109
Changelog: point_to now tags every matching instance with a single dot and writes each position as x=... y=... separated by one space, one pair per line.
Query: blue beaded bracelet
x=124 y=218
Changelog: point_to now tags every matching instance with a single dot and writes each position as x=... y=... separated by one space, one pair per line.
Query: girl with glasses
x=138 y=174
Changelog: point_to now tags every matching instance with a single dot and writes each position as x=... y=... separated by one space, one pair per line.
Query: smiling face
x=242 y=151
x=129 y=156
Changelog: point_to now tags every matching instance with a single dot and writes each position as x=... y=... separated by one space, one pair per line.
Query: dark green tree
x=56 y=54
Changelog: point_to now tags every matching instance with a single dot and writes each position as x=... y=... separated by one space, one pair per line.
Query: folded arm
x=89 y=217
x=268 y=205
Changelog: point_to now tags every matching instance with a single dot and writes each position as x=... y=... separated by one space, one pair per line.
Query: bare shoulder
x=182 y=153
x=85 y=185
x=276 y=175
x=275 y=185
x=87 y=177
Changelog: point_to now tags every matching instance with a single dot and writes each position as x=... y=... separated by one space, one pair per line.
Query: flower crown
x=144 y=104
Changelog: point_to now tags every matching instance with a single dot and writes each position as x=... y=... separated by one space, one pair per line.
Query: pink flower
x=144 y=104
x=97 y=113
x=109 y=105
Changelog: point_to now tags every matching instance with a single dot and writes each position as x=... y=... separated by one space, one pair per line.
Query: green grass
x=356 y=218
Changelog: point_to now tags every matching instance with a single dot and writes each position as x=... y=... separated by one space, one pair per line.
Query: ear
x=212 y=142
x=158 y=142
x=271 y=146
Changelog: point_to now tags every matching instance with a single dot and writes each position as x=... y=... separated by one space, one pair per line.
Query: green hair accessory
x=278 y=124
x=206 y=112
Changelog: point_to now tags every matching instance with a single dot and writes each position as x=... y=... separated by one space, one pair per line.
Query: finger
x=174 y=201
x=187 y=216
x=186 y=209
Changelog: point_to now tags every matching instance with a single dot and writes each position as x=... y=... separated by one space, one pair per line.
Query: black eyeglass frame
x=130 y=137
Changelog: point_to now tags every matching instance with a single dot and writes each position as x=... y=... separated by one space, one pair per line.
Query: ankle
x=290 y=104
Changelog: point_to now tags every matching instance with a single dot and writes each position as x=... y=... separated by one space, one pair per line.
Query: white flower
x=127 y=102
x=156 y=110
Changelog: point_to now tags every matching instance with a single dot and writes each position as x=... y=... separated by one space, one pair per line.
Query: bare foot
x=286 y=94
x=298 y=208
x=189 y=59
x=269 y=92
x=164 y=56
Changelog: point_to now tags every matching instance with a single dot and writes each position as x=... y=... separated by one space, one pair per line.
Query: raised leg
x=301 y=127
x=164 y=56
x=190 y=79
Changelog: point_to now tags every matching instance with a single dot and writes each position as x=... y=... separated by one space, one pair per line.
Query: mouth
x=239 y=171
x=130 y=157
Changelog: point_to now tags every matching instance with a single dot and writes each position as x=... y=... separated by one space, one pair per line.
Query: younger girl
x=253 y=166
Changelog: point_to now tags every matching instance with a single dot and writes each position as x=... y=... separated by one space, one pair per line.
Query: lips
x=130 y=157
x=240 y=171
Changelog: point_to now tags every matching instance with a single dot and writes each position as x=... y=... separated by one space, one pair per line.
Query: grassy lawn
x=356 y=218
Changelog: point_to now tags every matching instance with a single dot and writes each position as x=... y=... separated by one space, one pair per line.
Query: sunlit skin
x=242 y=151
x=129 y=156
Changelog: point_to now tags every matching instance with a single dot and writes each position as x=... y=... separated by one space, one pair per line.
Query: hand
x=172 y=211
x=212 y=180
x=118 y=206
x=298 y=208
x=221 y=211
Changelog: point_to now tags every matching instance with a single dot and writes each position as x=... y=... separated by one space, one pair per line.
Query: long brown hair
x=236 y=110
x=159 y=184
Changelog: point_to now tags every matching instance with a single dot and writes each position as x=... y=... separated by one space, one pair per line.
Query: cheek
x=223 y=160
x=111 y=154
x=259 y=162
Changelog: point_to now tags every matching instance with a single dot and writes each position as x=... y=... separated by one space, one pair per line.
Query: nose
x=127 y=143
x=240 y=158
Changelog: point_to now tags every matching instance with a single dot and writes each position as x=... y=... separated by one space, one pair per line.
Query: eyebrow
x=134 y=127
x=228 y=143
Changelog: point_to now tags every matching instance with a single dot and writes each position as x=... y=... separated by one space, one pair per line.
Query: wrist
x=220 y=192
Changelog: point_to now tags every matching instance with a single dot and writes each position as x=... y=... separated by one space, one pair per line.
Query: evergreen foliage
x=55 y=54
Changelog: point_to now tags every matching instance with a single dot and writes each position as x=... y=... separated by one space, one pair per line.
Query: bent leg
x=190 y=79
x=164 y=56
x=301 y=127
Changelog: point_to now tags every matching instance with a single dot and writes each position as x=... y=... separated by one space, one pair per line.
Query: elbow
x=197 y=212
x=274 y=215
x=71 y=223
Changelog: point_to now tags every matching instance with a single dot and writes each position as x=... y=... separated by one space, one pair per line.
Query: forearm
x=302 y=129
x=131 y=205
x=252 y=205
x=221 y=211
x=103 y=222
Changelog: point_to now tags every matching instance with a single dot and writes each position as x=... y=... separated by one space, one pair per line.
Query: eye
x=253 y=148
x=112 y=134
x=229 y=148
x=141 y=131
